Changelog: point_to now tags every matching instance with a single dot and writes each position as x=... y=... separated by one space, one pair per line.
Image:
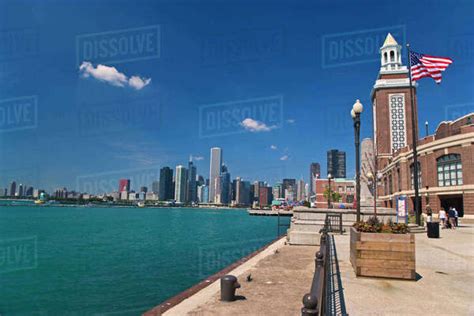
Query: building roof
x=389 y=41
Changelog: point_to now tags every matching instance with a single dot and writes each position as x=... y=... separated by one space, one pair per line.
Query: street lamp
x=329 y=190
x=357 y=109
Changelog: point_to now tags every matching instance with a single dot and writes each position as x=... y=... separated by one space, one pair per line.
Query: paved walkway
x=445 y=286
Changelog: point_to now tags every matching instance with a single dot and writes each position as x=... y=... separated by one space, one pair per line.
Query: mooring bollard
x=229 y=284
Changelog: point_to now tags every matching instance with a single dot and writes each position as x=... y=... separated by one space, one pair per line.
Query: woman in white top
x=442 y=217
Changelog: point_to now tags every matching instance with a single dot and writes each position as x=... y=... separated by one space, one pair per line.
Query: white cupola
x=390 y=54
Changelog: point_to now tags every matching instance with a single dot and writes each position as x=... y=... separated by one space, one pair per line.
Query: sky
x=92 y=91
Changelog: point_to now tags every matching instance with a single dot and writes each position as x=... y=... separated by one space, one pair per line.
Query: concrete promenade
x=280 y=278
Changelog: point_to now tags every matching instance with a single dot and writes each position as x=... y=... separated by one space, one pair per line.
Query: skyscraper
x=166 y=184
x=314 y=172
x=155 y=187
x=336 y=163
x=289 y=186
x=225 y=187
x=265 y=196
x=203 y=193
x=300 y=191
x=191 y=182
x=124 y=185
x=180 y=184
x=214 y=172
x=13 y=188
x=277 y=191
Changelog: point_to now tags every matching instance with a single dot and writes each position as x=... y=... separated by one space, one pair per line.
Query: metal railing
x=334 y=223
x=326 y=296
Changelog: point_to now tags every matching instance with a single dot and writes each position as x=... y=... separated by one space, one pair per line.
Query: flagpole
x=414 y=133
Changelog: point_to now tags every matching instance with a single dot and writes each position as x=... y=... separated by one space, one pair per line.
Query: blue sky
x=291 y=64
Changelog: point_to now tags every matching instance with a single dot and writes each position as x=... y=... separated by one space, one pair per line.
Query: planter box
x=383 y=255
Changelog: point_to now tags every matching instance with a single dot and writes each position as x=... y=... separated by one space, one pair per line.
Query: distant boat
x=39 y=202
x=141 y=204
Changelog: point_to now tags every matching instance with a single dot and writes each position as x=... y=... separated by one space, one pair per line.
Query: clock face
x=397 y=121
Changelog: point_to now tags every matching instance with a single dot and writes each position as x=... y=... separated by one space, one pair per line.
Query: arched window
x=449 y=170
x=392 y=56
x=412 y=171
x=385 y=57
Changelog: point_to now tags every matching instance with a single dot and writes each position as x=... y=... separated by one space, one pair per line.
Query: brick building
x=446 y=159
x=265 y=196
x=345 y=187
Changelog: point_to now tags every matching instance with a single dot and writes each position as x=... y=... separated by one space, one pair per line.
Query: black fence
x=326 y=296
x=334 y=223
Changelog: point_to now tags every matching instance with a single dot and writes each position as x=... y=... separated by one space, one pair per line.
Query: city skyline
x=166 y=175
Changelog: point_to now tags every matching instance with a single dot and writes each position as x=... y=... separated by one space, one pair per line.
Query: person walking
x=442 y=217
x=456 y=216
x=452 y=218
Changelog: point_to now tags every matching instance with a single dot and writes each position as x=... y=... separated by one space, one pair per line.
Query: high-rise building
x=155 y=187
x=20 y=190
x=191 y=182
x=300 y=190
x=243 y=192
x=124 y=185
x=166 y=184
x=29 y=191
x=200 y=180
x=144 y=189
x=214 y=172
x=180 y=184
x=203 y=193
x=224 y=186
x=314 y=172
x=256 y=189
x=277 y=191
x=265 y=196
x=13 y=188
x=336 y=163
x=289 y=185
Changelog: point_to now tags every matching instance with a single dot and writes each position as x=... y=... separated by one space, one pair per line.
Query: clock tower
x=391 y=104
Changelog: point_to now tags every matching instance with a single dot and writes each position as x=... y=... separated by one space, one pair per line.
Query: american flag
x=427 y=66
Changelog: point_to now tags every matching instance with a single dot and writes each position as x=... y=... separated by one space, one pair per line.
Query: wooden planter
x=383 y=255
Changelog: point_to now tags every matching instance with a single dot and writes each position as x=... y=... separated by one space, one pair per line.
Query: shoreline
x=212 y=280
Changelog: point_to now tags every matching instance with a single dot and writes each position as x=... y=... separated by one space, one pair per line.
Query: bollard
x=310 y=303
x=229 y=284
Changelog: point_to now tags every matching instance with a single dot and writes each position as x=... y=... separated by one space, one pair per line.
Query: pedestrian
x=442 y=218
x=452 y=218
x=456 y=216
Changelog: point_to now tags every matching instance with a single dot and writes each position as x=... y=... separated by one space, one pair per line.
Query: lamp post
x=426 y=128
x=357 y=109
x=329 y=190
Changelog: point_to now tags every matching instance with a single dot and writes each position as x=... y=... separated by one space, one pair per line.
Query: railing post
x=310 y=305
x=319 y=259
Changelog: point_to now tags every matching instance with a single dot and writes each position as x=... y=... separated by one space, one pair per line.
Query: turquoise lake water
x=115 y=261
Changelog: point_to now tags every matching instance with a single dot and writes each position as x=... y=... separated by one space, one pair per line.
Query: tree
x=335 y=196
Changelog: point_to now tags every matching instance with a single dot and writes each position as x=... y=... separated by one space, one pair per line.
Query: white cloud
x=112 y=76
x=273 y=147
x=290 y=121
x=138 y=83
x=255 y=126
x=285 y=157
x=197 y=158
